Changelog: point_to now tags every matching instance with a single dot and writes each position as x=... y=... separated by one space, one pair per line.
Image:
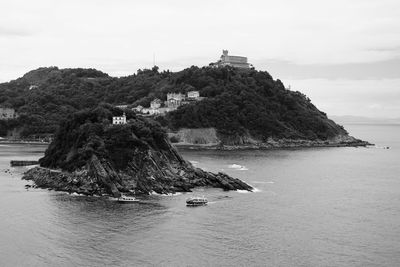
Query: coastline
x=279 y=144
x=85 y=183
x=19 y=142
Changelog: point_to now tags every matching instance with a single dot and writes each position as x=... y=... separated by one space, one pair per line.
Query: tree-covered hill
x=237 y=103
x=90 y=132
x=250 y=102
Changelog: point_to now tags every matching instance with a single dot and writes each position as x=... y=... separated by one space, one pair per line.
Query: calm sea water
x=313 y=207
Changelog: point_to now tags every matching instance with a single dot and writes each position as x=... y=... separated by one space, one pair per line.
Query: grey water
x=312 y=207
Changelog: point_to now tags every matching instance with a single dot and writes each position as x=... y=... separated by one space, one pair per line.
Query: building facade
x=234 y=61
x=193 y=94
x=7 y=113
x=119 y=120
x=174 y=100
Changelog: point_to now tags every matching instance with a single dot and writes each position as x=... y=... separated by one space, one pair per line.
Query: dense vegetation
x=237 y=102
x=90 y=131
x=241 y=102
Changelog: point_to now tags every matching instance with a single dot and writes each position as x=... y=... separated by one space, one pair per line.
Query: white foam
x=256 y=190
x=243 y=191
x=30 y=166
x=193 y=162
x=174 y=194
x=166 y=195
x=260 y=182
x=237 y=167
x=76 y=194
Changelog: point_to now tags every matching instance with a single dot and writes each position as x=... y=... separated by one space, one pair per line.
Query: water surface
x=313 y=207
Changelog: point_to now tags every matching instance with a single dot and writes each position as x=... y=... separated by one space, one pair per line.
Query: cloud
x=371 y=98
x=387 y=49
x=14 y=32
x=348 y=44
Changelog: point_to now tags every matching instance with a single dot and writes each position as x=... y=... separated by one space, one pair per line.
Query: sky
x=343 y=54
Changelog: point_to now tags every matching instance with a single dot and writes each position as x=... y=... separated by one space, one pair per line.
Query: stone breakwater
x=98 y=178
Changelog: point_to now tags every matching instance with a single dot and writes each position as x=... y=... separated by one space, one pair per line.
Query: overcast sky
x=344 y=54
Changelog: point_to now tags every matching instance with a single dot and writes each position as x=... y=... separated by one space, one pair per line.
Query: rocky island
x=89 y=155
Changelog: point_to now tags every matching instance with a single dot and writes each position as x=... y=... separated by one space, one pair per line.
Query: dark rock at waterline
x=95 y=157
x=15 y=163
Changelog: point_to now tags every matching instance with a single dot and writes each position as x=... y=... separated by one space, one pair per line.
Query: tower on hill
x=234 y=61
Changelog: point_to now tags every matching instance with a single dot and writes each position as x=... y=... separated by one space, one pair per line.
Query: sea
x=310 y=207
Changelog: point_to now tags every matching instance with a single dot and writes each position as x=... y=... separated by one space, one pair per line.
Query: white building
x=7 y=113
x=122 y=106
x=174 y=100
x=234 y=61
x=175 y=96
x=193 y=94
x=120 y=120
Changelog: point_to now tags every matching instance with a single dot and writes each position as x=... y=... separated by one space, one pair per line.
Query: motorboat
x=126 y=199
x=196 y=201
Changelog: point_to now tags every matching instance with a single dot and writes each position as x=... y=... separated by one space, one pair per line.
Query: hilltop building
x=174 y=100
x=119 y=120
x=7 y=113
x=234 y=61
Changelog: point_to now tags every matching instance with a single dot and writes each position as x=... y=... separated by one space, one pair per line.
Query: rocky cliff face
x=117 y=159
x=209 y=138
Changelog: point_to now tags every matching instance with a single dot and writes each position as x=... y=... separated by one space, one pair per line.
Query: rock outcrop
x=209 y=139
x=137 y=158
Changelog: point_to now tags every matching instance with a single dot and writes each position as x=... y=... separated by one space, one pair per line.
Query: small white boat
x=196 y=201
x=126 y=199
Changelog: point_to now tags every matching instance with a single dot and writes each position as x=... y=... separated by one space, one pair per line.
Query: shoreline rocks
x=82 y=182
x=91 y=156
x=340 y=141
